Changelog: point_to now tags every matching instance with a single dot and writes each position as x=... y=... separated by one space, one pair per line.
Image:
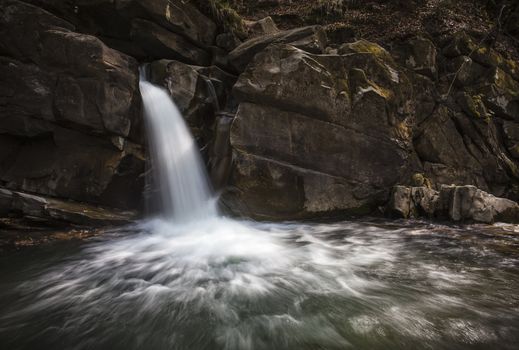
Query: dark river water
x=226 y=284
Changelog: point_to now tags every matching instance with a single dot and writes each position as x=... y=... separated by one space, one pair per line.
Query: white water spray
x=178 y=168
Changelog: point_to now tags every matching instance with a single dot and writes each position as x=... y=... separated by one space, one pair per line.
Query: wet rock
x=470 y=203
x=267 y=188
x=413 y=202
x=45 y=208
x=311 y=39
x=22 y=27
x=220 y=157
x=199 y=92
x=174 y=15
x=400 y=204
x=456 y=203
x=360 y=87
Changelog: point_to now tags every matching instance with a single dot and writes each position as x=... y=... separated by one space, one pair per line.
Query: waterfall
x=179 y=172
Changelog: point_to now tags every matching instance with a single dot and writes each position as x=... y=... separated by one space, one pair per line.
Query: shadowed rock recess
x=297 y=123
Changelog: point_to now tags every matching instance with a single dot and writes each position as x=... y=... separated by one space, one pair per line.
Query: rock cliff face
x=320 y=133
x=293 y=123
x=69 y=112
x=315 y=129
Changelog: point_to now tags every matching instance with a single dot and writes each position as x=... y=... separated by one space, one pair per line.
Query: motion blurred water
x=193 y=280
x=179 y=172
x=227 y=284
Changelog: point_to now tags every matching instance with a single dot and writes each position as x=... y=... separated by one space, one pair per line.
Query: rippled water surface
x=225 y=284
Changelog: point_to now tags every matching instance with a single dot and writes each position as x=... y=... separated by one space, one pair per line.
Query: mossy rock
x=462 y=44
x=501 y=93
x=360 y=84
x=419 y=180
x=473 y=105
x=362 y=45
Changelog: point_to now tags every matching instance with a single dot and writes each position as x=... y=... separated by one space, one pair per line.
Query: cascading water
x=179 y=172
x=193 y=280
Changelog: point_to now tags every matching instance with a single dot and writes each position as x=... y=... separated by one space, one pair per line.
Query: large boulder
x=318 y=134
x=470 y=203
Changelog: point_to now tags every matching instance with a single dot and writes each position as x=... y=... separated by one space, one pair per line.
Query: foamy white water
x=228 y=284
x=177 y=165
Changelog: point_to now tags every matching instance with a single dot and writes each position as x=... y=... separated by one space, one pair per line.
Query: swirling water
x=194 y=280
x=227 y=284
